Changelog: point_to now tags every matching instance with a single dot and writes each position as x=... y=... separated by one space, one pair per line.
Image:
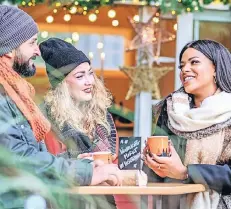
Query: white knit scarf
x=206 y=150
x=213 y=110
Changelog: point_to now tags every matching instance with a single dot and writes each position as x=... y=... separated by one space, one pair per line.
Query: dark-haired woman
x=197 y=119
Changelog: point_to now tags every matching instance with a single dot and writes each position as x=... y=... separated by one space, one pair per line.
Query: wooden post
x=183 y=36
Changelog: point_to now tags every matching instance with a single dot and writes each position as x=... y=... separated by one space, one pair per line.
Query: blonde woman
x=77 y=103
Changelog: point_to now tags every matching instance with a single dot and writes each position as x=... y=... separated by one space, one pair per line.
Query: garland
x=166 y=6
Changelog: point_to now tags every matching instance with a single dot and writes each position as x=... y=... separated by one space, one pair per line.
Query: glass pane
x=113 y=47
x=217 y=31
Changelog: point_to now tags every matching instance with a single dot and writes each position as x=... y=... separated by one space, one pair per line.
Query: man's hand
x=108 y=173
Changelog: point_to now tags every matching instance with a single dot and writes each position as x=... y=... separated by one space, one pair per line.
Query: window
x=113 y=48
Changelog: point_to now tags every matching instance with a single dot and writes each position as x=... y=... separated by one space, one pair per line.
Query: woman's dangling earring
x=215 y=79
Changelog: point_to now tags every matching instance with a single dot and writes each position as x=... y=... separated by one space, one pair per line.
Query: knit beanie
x=61 y=58
x=16 y=27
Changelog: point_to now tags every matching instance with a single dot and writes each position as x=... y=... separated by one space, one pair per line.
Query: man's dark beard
x=24 y=69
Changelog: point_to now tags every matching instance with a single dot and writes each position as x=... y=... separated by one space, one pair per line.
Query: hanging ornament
x=149 y=33
x=145 y=77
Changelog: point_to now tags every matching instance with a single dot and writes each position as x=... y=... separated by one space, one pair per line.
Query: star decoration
x=149 y=33
x=144 y=33
x=145 y=78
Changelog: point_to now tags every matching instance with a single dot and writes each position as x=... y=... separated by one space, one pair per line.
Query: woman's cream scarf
x=204 y=148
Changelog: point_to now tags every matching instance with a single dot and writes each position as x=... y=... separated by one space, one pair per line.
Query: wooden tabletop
x=150 y=189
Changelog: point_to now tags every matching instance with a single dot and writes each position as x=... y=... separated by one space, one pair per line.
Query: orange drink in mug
x=106 y=157
x=158 y=145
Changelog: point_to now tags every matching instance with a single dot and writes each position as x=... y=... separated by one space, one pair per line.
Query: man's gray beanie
x=16 y=27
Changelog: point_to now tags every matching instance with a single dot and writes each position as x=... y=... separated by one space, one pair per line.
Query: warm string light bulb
x=175 y=27
x=50 y=19
x=115 y=23
x=91 y=55
x=44 y=34
x=136 y=18
x=67 y=17
x=92 y=17
x=111 y=13
x=100 y=45
x=73 y=10
x=58 y=4
x=75 y=36
x=155 y=19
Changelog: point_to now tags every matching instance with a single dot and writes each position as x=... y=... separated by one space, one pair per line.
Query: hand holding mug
x=167 y=166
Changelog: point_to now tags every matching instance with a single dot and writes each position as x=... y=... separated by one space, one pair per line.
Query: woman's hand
x=167 y=166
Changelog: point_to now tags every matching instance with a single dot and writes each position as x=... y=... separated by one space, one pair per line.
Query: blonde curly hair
x=82 y=116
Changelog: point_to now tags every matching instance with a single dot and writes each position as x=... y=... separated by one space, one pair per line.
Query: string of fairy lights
x=74 y=10
x=91 y=7
x=75 y=36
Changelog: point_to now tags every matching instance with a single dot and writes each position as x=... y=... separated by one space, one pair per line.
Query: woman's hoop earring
x=215 y=79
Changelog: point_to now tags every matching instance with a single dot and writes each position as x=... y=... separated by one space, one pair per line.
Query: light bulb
x=58 y=4
x=111 y=13
x=75 y=36
x=100 y=45
x=50 y=19
x=115 y=23
x=73 y=10
x=175 y=26
x=44 y=34
x=92 y=17
x=136 y=18
x=91 y=55
x=67 y=17
x=155 y=19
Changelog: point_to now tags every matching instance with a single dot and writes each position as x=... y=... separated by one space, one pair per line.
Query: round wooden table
x=153 y=189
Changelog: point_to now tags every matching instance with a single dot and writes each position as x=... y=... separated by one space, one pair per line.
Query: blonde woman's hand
x=167 y=166
x=85 y=156
x=108 y=173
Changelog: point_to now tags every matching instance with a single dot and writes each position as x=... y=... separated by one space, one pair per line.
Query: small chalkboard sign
x=129 y=153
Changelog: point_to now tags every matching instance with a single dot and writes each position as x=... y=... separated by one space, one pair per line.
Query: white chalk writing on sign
x=129 y=147
x=129 y=153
